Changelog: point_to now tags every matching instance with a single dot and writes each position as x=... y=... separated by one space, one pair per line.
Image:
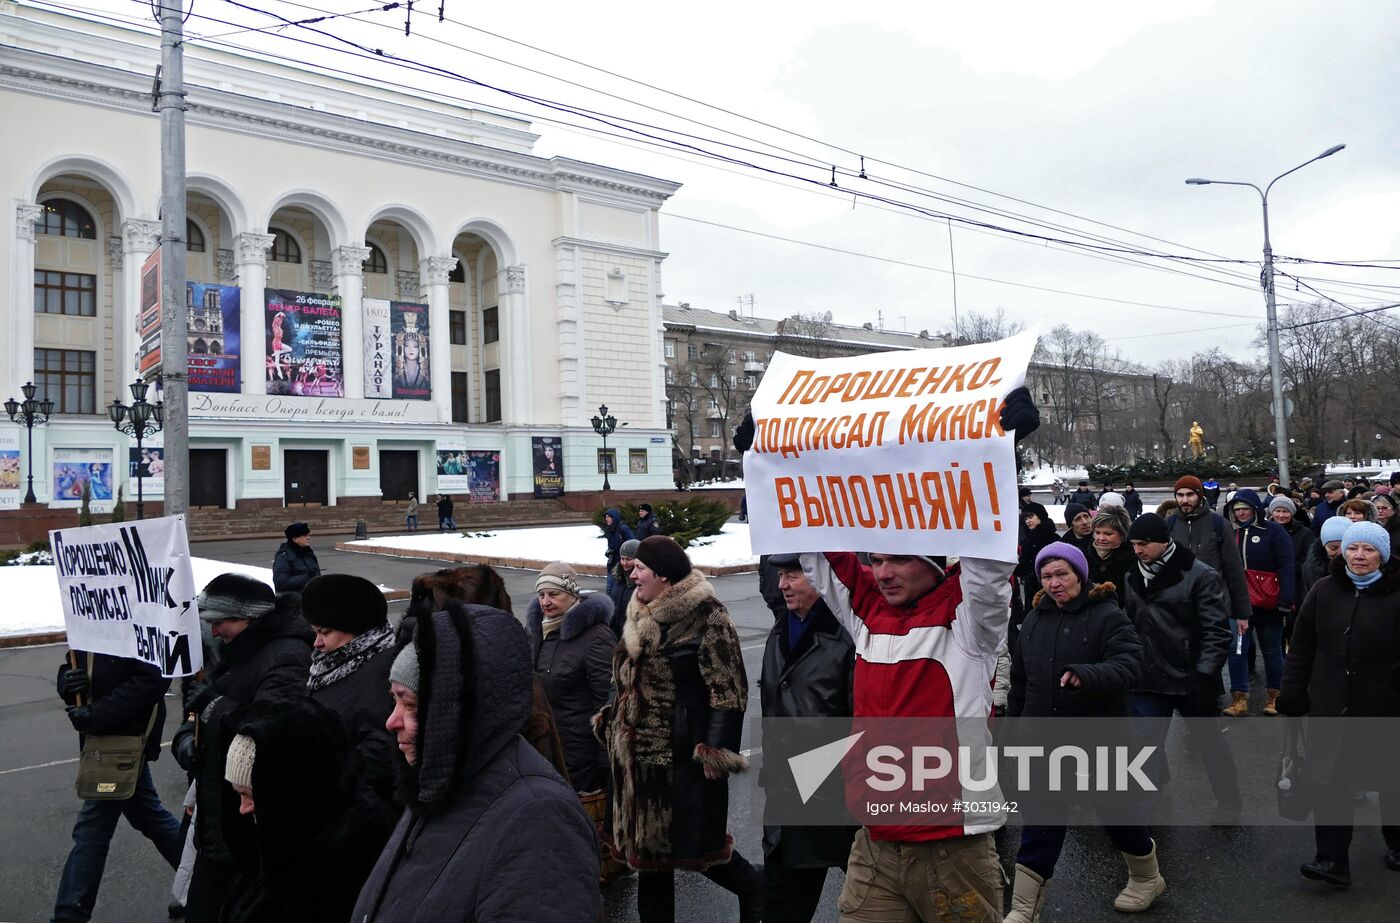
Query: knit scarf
x=329 y=667
x=1363 y=582
x=549 y=626
x=1151 y=570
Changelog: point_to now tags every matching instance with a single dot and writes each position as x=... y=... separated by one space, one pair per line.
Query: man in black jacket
x=120 y=695
x=295 y=564
x=1179 y=608
x=265 y=654
x=808 y=671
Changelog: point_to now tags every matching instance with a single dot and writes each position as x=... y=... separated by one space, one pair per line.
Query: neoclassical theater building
x=385 y=288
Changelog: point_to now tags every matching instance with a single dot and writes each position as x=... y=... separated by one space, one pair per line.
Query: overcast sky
x=1100 y=110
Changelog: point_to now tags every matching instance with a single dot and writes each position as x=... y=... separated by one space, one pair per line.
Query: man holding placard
x=930 y=469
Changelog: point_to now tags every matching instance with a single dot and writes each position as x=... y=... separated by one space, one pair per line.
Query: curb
x=595 y=570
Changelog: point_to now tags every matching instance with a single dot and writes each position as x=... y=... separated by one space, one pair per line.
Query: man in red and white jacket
x=926 y=642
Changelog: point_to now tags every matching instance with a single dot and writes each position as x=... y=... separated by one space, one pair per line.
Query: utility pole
x=170 y=102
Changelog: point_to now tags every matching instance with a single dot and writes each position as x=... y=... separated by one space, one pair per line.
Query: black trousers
x=656 y=891
x=790 y=895
x=1333 y=814
x=209 y=886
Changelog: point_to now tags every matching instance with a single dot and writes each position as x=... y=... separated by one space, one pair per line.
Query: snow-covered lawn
x=32 y=603
x=572 y=544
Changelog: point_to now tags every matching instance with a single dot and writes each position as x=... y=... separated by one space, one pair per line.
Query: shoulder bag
x=111 y=763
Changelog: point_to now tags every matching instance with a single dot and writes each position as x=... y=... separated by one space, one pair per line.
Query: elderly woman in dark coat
x=673 y=734
x=1344 y=662
x=571 y=648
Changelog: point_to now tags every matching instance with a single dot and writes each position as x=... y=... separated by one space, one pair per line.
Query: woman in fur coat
x=673 y=734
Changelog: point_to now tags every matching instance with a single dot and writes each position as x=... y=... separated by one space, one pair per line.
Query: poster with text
x=452 y=473
x=148 y=464
x=547 y=453
x=412 y=379
x=72 y=468
x=11 y=476
x=148 y=317
x=303 y=344
x=483 y=476
x=127 y=589
x=215 y=320
x=892 y=452
x=379 y=349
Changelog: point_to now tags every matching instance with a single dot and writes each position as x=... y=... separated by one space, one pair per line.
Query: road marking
x=5 y=772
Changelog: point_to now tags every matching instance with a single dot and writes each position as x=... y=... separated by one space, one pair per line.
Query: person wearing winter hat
x=1110 y=556
x=1039 y=532
x=623 y=587
x=354 y=649
x=571 y=647
x=1078 y=656
x=1267 y=553
x=1284 y=511
x=1178 y=605
x=1196 y=526
x=295 y=564
x=1356 y=608
x=1112 y=498
x=673 y=734
x=1079 y=521
x=1386 y=505
x=647 y=526
x=1334 y=493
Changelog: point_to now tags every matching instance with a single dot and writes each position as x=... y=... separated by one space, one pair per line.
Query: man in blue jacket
x=616 y=532
x=1266 y=550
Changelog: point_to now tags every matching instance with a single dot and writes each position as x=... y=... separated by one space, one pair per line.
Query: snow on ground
x=571 y=544
x=735 y=484
x=1045 y=476
x=32 y=603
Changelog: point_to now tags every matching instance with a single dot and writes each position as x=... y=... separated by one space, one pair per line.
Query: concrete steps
x=379 y=518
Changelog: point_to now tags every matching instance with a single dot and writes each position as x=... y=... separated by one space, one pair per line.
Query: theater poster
x=72 y=468
x=396 y=350
x=547 y=453
x=303 y=344
x=452 y=467
x=147 y=463
x=215 y=318
x=484 y=476
x=10 y=472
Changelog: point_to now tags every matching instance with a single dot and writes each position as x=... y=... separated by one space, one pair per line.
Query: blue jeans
x=412 y=522
x=1210 y=743
x=1270 y=642
x=1041 y=846
x=445 y=523
x=92 y=836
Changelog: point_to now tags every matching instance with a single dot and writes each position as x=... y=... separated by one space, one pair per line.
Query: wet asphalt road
x=1246 y=873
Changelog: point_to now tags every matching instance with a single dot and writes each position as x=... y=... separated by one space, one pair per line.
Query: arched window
x=194 y=237
x=458 y=274
x=285 y=248
x=376 y=261
x=64 y=218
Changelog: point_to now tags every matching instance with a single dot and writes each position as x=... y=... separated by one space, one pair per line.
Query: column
x=432 y=275
x=140 y=238
x=516 y=400
x=572 y=370
x=22 y=296
x=250 y=255
x=348 y=265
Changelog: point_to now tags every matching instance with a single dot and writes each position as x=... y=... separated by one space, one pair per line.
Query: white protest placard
x=896 y=452
x=128 y=590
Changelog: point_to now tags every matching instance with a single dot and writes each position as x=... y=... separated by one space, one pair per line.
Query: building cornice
x=608 y=247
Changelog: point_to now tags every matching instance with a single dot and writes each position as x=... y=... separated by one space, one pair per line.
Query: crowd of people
x=469 y=764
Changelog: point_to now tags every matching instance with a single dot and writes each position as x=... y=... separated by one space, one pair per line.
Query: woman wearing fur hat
x=1111 y=555
x=1344 y=660
x=673 y=734
x=350 y=666
x=1078 y=657
x=571 y=648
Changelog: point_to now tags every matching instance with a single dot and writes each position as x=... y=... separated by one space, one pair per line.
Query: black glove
x=75 y=683
x=1019 y=414
x=198 y=695
x=80 y=716
x=743 y=433
x=182 y=748
x=1205 y=693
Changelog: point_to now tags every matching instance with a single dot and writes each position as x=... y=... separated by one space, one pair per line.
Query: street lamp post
x=31 y=413
x=1275 y=366
x=604 y=425
x=140 y=420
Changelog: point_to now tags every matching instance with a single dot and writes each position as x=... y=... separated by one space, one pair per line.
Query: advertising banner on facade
x=303 y=344
x=379 y=350
x=11 y=475
x=452 y=474
x=147 y=463
x=484 y=476
x=72 y=468
x=214 y=343
x=894 y=452
x=128 y=590
x=547 y=453
x=412 y=380
x=148 y=317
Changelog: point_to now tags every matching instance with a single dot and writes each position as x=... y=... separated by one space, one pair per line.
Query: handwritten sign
x=128 y=590
x=898 y=452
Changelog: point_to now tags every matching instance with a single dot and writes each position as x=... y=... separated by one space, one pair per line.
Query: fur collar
x=684 y=601
x=591 y=609
x=1098 y=591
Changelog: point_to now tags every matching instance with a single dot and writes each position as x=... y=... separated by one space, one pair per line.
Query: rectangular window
x=748 y=355
x=715 y=432
x=733 y=382
x=636 y=461
x=490 y=325
x=72 y=293
x=493 y=396
x=670 y=376
x=68 y=377
x=670 y=349
x=714 y=406
x=751 y=381
x=714 y=381
x=729 y=357
x=457 y=328
x=459 y=396
x=607 y=461
x=692 y=352
x=694 y=378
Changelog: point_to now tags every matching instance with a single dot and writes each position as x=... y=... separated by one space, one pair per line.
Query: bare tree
x=805 y=335
x=1310 y=363
x=986 y=328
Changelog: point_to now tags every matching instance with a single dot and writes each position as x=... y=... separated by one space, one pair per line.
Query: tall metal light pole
x=140 y=420
x=1275 y=367
x=170 y=100
x=31 y=413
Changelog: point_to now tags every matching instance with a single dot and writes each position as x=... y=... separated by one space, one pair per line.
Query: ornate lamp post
x=604 y=425
x=140 y=420
x=31 y=413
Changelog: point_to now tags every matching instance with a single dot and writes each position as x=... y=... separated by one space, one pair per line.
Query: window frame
x=193 y=233
x=491 y=389
x=86 y=378
x=378 y=266
x=285 y=245
x=491 y=325
x=62 y=209
x=64 y=287
x=461 y=404
x=456 y=328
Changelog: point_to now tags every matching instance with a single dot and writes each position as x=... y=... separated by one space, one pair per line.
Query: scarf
x=329 y=667
x=1363 y=582
x=1151 y=570
x=550 y=626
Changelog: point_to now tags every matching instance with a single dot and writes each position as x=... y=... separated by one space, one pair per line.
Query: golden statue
x=1198 y=444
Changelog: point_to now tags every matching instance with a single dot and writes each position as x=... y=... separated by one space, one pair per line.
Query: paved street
x=1240 y=874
